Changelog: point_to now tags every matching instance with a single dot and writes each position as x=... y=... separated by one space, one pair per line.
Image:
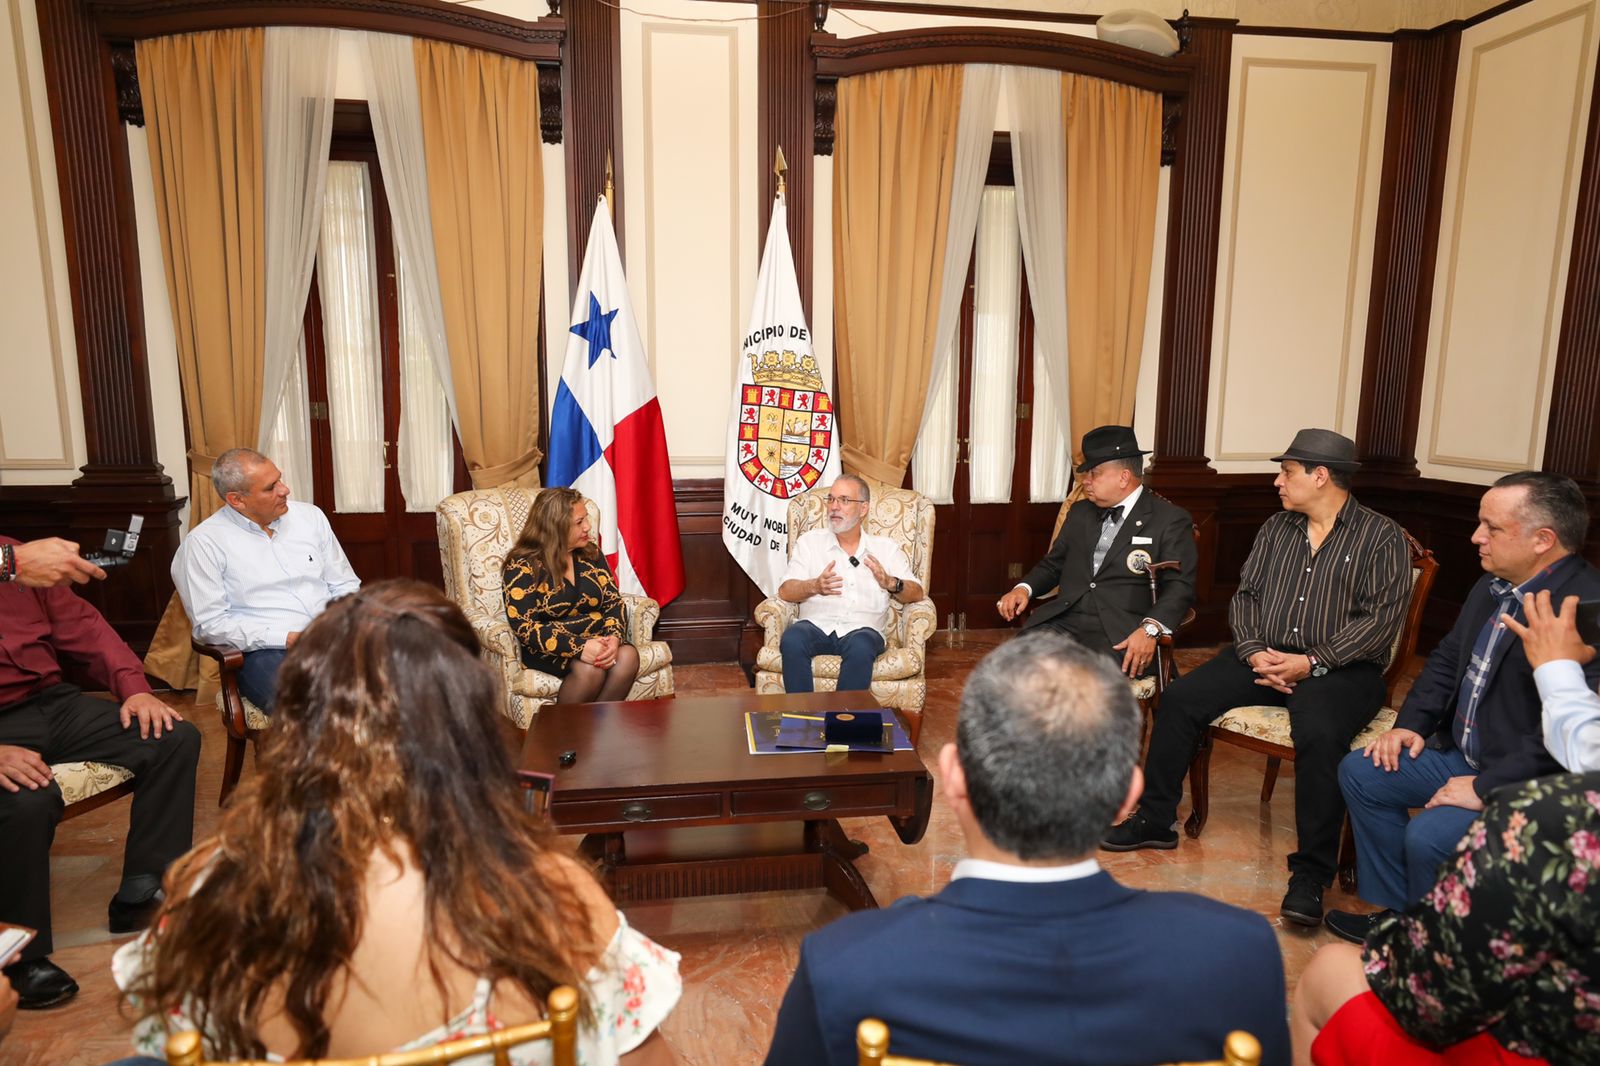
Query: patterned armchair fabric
x=81 y=780
x=476 y=529
x=899 y=677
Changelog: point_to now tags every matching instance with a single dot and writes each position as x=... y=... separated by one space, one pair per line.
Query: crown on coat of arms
x=789 y=370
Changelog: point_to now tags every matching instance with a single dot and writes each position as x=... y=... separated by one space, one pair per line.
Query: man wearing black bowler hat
x=1098 y=558
x=1319 y=602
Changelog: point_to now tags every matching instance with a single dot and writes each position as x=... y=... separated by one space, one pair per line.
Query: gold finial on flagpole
x=781 y=168
x=610 y=188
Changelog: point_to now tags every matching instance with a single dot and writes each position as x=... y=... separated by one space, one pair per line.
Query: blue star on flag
x=597 y=331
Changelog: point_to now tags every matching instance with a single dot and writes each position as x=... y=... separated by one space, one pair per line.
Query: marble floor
x=738 y=951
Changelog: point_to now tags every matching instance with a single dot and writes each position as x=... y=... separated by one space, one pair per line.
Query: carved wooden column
x=786 y=73
x=1572 y=439
x=592 y=96
x=1416 y=142
x=1191 y=281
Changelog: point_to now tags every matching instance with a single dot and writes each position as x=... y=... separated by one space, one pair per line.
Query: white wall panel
x=689 y=137
x=1521 y=108
x=41 y=423
x=1299 y=209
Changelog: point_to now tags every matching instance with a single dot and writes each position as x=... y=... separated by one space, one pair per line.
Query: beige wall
x=1521 y=108
x=1299 y=206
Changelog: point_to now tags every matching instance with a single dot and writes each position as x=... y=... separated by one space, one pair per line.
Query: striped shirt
x=1343 y=603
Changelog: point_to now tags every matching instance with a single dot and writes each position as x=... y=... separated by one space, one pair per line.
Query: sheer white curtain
x=348 y=285
x=297 y=122
x=397 y=128
x=996 y=318
x=427 y=463
x=1039 y=160
x=933 y=460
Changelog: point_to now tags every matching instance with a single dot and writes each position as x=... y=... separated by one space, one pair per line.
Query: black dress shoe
x=1139 y=832
x=1302 y=904
x=1348 y=925
x=132 y=917
x=40 y=983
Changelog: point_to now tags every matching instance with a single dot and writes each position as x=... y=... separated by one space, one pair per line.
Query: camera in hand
x=120 y=545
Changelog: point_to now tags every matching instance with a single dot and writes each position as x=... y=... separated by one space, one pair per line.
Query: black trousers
x=64 y=725
x=1083 y=626
x=1325 y=714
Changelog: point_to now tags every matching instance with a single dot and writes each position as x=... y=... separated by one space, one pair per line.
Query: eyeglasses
x=831 y=500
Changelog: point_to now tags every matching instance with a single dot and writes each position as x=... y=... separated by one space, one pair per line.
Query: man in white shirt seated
x=257 y=571
x=1569 y=708
x=843 y=579
x=1033 y=953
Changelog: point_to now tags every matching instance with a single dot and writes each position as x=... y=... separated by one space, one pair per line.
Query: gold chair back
x=872 y=1049
x=560 y=1027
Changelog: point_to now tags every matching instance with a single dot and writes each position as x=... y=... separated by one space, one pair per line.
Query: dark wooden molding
x=550 y=102
x=957 y=11
x=436 y=19
x=708 y=622
x=785 y=77
x=1193 y=221
x=1572 y=435
x=1405 y=251
x=125 y=69
x=838 y=57
x=825 y=104
x=591 y=76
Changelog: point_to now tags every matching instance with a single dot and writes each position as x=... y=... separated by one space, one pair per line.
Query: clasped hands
x=831 y=583
x=601 y=651
x=1280 y=670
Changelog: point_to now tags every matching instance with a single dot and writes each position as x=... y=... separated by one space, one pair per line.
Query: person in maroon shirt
x=43 y=720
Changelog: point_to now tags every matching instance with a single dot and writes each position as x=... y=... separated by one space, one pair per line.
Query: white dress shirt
x=250 y=590
x=985 y=870
x=1571 y=715
x=863 y=603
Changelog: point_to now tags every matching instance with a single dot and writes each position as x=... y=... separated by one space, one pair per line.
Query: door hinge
x=319 y=410
x=1023 y=410
x=1014 y=571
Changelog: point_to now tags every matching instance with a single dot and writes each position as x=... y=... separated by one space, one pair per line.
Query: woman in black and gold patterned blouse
x=563 y=604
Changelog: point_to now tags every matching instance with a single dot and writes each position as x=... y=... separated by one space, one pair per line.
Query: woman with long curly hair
x=563 y=604
x=377 y=884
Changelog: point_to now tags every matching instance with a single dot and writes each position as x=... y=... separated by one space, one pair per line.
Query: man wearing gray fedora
x=1319 y=602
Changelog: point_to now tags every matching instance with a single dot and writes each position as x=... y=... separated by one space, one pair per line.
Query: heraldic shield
x=785 y=424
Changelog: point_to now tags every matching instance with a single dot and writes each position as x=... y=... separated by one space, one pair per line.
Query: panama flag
x=606 y=438
x=782 y=436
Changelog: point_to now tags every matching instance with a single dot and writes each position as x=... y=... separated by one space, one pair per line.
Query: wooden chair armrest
x=227 y=656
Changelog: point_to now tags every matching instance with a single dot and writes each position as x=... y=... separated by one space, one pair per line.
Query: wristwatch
x=898 y=586
x=1152 y=630
x=1318 y=667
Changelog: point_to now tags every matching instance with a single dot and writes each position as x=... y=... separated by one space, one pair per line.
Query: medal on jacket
x=1139 y=561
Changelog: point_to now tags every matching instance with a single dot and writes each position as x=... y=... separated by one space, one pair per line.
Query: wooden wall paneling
x=1572 y=440
x=707 y=622
x=1421 y=96
x=785 y=74
x=1191 y=281
x=591 y=77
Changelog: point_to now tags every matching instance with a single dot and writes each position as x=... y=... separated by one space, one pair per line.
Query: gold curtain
x=894 y=164
x=480 y=126
x=202 y=97
x=1113 y=155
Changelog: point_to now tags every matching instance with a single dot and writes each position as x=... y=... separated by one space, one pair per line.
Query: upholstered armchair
x=476 y=530
x=899 y=676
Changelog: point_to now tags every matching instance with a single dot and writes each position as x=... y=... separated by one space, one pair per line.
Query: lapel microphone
x=854 y=561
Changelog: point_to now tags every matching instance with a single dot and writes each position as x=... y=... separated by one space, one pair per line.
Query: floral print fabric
x=630 y=991
x=1508 y=941
x=553 y=624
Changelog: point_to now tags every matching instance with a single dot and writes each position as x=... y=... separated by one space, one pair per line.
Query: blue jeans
x=1398 y=856
x=857 y=650
x=258 y=677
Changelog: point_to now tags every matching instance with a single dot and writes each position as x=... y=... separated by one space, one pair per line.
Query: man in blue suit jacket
x=1032 y=953
x=1471 y=722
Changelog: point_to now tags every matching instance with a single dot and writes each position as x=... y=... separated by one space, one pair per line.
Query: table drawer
x=646 y=810
x=821 y=800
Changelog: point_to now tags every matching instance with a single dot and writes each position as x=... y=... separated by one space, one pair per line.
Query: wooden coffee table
x=675 y=805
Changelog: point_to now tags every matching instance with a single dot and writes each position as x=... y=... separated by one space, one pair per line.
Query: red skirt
x=1364 y=1033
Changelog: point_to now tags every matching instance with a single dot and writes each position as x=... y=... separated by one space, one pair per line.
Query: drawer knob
x=816 y=801
x=636 y=812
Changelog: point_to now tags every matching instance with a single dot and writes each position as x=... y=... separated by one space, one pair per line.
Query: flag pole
x=610 y=210
x=781 y=168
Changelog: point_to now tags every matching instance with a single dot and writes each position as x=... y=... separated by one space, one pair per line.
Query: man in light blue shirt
x=257 y=571
x=1568 y=706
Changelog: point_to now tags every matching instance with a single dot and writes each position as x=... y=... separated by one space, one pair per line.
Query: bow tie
x=1111 y=514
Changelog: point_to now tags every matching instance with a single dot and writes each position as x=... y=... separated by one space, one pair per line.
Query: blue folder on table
x=794 y=733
